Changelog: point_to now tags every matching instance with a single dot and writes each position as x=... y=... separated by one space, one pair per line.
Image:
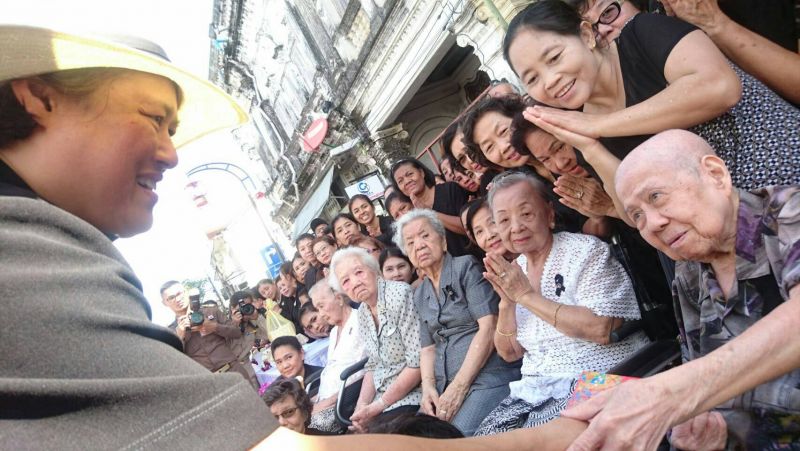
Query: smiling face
x=679 y=215
x=323 y=252
x=460 y=154
x=111 y=149
x=557 y=70
x=559 y=158
x=397 y=269
x=363 y=211
x=493 y=136
x=346 y=231
x=424 y=247
x=289 y=361
x=523 y=219
x=357 y=280
x=287 y=286
x=485 y=231
x=409 y=179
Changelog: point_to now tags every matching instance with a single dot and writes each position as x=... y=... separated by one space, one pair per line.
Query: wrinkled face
x=555 y=69
x=346 y=232
x=304 y=248
x=460 y=154
x=493 y=136
x=409 y=179
x=424 y=247
x=363 y=211
x=268 y=290
x=300 y=268
x=523 y=219
x=113 y=149
x=357 y=280
x=289 y=361
x=316 y=324
x=610 y=16
x=320 y=230
x=397 y=269
x=288 y=414
x=329 y=306
x=677 y=214
x=559 y=158
x=176 y=299
x=399 y=207
x=485 y=231
x=323 y=252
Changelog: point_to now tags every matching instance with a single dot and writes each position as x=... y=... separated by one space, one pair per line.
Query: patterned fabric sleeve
x=481 y=297
x=787 y=201
x=409 y=327
x=604 y=287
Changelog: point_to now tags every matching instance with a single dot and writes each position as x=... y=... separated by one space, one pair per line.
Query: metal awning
x=313 y=206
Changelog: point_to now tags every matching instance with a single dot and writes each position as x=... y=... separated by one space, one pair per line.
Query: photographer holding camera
x=203 y=329
x=253 y=325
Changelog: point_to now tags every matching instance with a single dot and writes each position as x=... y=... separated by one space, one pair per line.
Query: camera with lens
x=246 y=309
x=196 y=316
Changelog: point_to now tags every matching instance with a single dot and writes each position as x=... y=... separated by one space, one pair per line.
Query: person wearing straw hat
x=88 y=126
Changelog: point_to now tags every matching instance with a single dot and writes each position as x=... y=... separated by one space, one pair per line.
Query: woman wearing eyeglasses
x=659 y=74
x=290 y=405
x=608 y=16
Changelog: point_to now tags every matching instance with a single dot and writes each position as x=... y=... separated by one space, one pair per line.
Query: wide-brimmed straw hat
x=26 y=51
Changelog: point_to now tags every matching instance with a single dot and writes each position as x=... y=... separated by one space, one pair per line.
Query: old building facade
x=387 y=76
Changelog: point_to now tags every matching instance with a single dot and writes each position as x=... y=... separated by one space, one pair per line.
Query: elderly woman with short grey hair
x=389 y=327
x=559 y=302
x=463 y=378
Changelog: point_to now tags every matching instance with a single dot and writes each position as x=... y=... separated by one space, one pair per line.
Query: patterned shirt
x=767 y=252
x=394 y=344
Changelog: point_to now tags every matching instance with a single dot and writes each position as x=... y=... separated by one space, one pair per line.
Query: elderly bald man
x=736 y=296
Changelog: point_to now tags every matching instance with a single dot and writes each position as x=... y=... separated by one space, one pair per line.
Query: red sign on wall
x=315 y=134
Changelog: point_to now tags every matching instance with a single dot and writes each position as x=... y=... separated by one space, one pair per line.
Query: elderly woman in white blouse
x=389 y=327
x=559 y=303
x=345 y=349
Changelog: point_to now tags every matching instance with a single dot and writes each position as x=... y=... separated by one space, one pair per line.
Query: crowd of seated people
x=481 y=300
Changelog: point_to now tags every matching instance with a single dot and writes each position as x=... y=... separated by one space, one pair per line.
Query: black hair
x=293 y=389
x=238 y=296
x=286 y=340
x=395 y=196
x=508 y=106
x=166 y=285
x=428 y=175
x=414 y=424
x=305 y=236
x=520 y=128
x=357 y=197
x=307 y=308
x=390 y=252
x=316 y=222
x=341 y=216
x=486 y=180
x=544 y=15
x=472 y=209
x=447 y=138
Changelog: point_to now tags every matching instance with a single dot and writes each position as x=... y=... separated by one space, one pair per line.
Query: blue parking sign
x=273 y=258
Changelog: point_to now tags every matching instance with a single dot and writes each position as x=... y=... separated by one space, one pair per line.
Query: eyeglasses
x=286 y=413
x=611 y=13
x=174 y=296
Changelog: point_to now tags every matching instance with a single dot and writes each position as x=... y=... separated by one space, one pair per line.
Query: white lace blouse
x=580 y=270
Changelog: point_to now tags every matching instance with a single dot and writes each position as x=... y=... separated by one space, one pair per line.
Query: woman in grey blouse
x=389 y=325
x=463 y=378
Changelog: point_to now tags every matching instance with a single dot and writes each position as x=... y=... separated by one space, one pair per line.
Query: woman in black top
x=415 y=180
x=363 y=211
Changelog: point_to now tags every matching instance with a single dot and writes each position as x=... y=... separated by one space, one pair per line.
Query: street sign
x=273 y=259
x=315 y=134
x=370 y=186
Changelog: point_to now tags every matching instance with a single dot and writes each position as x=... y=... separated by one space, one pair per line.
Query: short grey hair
x=508 y=179
x=417 y=213
x=345 y=253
